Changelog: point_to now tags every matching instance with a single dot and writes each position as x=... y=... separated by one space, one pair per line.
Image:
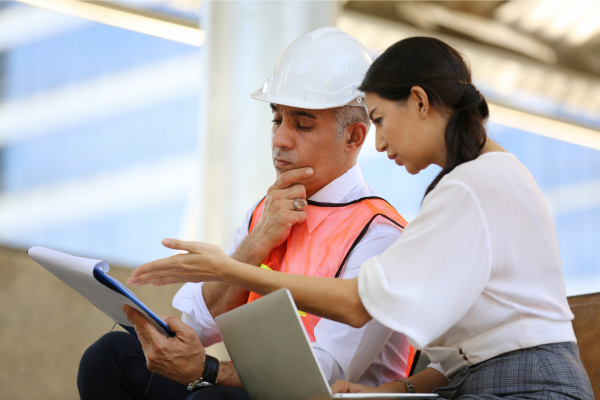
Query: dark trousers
x=115 y=368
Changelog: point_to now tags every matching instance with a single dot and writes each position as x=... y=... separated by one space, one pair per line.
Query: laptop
x=272 y=354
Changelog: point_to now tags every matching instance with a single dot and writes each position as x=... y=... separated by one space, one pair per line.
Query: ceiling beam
x=133 y=19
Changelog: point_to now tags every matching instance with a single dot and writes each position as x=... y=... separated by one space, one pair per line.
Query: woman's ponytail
x=465 y=134
x=441 y=71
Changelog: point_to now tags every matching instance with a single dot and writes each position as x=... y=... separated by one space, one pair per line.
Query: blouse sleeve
x=424 y=283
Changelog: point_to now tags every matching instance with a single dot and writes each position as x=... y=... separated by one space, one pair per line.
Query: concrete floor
x=45 y=327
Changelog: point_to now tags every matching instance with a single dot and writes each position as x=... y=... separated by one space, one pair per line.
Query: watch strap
x=209 y=375
x=211 y=370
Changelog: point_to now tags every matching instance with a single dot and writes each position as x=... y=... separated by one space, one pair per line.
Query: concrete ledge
x=45 y=327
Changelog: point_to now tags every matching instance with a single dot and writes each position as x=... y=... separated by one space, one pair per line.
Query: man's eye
x=276 y=121
x=303 y=128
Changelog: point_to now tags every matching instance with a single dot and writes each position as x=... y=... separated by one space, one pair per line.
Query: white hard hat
x=321 y=69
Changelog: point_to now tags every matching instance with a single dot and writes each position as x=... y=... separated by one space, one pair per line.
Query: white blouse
x=477 y=273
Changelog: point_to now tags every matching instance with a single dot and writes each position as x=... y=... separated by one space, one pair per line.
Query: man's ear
x=355 y=135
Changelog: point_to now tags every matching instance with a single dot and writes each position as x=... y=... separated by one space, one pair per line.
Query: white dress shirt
x=482 y=258
x=371 y=355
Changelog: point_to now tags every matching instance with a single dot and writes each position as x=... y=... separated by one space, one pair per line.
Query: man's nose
x=283 y=136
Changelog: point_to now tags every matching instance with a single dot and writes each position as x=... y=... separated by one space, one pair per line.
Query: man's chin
x=283 y=168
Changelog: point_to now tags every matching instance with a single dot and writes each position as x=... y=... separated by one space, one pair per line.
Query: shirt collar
x=336 y=191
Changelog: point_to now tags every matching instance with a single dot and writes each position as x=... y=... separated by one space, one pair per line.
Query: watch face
x=198 y=384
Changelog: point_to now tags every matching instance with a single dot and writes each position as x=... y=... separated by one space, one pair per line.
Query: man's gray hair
x=348 y=115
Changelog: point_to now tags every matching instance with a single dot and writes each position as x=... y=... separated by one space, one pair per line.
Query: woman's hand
x=202 y=262
x=348 y=387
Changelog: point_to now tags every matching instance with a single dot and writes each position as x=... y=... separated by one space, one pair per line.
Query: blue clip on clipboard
x=118 y=287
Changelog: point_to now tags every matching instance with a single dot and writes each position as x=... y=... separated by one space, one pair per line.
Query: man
x=319 y=126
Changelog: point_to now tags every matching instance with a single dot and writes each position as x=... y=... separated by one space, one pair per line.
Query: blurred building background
x=103 y=150
x=125 y=122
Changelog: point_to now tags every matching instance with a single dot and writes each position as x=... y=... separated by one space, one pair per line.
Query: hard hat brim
x=309 y=105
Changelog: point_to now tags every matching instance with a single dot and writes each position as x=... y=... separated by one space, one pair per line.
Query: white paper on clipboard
x=78 y=273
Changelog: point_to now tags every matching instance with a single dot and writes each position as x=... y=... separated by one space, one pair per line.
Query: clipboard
x=89 y=278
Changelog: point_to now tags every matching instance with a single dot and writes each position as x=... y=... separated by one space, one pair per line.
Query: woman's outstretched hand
x=202 y=262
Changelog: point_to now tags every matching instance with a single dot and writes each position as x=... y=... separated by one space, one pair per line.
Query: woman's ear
x=421 y=100
x=358 y=134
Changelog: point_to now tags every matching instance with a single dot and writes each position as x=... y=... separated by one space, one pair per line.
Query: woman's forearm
x=335 y=299
x=423 y=382
x=427 y=380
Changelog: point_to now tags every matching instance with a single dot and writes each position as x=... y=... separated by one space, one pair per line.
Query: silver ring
x=299 y=204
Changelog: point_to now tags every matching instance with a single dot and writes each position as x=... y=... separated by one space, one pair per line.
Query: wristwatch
x=209 y=376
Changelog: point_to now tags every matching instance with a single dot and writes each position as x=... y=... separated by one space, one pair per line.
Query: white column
x=243 y=41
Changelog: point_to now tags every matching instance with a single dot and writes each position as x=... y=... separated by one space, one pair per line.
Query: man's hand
x=180 y=358
x=273 y=228
x=278 y=215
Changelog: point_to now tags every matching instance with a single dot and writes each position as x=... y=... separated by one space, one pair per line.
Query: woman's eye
x=377 y=121
x=276 y=121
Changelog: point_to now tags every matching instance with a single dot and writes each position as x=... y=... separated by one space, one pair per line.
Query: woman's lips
x=395 y=158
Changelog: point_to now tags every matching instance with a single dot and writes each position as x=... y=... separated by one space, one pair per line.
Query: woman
x=475 y=279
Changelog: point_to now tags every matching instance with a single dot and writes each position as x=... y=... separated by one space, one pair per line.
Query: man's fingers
x=135 y=317
x=287 y=178
x=147 y=333
x=179 y=327
x=295 y=191
x=298 y=217
x=284 y=198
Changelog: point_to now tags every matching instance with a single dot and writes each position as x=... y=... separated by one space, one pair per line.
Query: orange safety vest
x=322 y=244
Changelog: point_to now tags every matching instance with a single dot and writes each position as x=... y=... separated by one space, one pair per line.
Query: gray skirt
x=550 y=371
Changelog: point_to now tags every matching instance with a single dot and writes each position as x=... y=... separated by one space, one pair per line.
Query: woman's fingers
x=177 y=268
x=190 y=247
x=153 y=266
x=348 y=387
x=157 y=277
x=170 y=280
x=341 y=387
x=162 y=267
x=195 y=266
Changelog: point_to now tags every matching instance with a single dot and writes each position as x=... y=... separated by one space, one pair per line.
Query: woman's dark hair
x=443 y=74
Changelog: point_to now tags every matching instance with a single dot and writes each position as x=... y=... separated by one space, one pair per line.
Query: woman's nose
x=380 y=144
